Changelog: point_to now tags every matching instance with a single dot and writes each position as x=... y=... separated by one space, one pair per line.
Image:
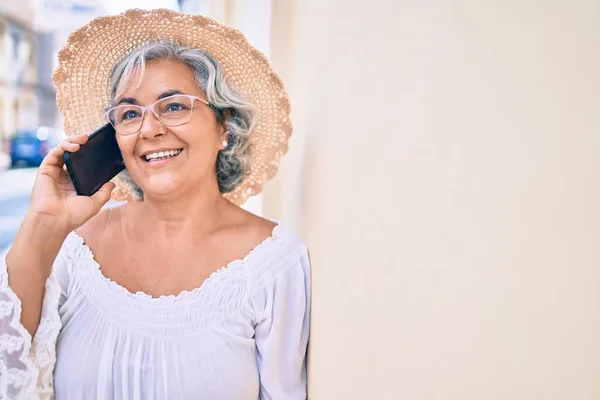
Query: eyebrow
x=132 y=100
x=128 y=100
x=169 y=93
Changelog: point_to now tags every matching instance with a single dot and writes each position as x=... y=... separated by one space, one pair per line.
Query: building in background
x=19 y=100
x=31 y=34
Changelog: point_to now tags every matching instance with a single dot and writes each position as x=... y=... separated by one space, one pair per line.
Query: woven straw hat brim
x=85 y=63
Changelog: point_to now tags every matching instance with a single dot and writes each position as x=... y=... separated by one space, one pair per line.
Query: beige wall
x=445 y=172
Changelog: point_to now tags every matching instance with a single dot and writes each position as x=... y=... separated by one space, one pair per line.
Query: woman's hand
x=54 y=199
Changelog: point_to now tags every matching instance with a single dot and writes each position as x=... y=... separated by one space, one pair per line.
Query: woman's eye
x=130 y=114
x=173 y=107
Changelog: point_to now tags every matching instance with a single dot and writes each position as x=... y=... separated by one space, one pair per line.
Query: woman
x=180 y=293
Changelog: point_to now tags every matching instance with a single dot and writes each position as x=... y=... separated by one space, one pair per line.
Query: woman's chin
x=160 y=189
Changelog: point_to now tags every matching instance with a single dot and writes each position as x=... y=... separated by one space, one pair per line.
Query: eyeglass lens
x=171 y=111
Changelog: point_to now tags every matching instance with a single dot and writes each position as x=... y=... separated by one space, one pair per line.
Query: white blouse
x=241 y=335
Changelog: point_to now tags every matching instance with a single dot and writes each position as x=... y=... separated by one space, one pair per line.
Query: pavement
x=16 y=181
x=15 y=189
x=4 y=161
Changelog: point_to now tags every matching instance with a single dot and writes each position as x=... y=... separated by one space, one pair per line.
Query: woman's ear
x=225 y=118
x=224 y=137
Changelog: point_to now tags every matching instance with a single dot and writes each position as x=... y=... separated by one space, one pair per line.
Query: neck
x=174 y=217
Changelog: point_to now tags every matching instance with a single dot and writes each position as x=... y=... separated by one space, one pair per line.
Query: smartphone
x=96 y=162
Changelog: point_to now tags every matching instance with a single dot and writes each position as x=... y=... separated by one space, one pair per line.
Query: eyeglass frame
x=151 y=108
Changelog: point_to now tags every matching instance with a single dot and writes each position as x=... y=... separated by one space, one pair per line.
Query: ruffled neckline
x=227 y=269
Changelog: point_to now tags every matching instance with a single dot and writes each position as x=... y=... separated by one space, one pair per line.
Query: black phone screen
x=96 y=162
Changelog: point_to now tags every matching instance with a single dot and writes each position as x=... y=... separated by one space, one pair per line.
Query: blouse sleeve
x=282 y=330
x=26 y=366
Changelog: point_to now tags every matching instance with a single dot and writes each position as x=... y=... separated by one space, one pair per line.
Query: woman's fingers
x=102 y=196
x=80 y=139
x=72 y=144
x=55 y=156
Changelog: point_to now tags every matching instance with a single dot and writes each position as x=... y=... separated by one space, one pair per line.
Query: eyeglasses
x=171 y=111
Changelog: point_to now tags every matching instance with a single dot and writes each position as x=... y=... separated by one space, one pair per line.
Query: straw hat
x=85 y=63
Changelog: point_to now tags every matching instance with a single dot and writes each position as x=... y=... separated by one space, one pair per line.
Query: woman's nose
x=151 y=126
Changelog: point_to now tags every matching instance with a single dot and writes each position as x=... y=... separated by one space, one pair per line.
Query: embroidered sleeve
x=26 y=366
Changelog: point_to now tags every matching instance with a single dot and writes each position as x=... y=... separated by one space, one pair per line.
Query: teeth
x=161 y=154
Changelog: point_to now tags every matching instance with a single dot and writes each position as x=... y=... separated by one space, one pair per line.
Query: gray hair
x=237 y=115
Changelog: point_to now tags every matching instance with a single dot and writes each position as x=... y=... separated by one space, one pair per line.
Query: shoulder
x=76 y=243
x=253 y=238
x=252 y=230
x=106 y=222
x=278 y=257
x=272 y=239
